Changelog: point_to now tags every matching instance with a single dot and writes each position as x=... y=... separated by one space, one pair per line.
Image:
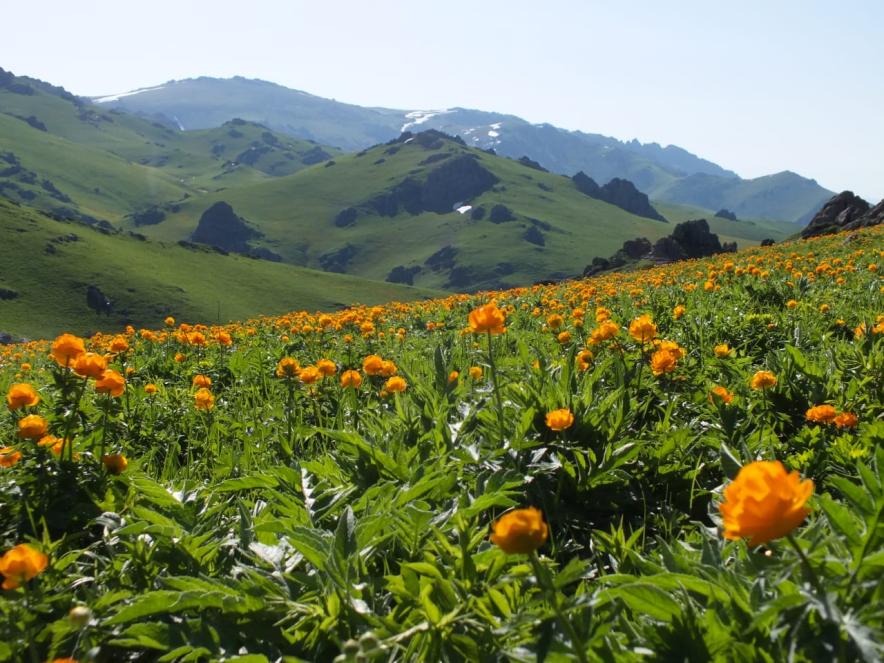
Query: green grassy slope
x=147 y=281
x=297 y=215
x=108 y=150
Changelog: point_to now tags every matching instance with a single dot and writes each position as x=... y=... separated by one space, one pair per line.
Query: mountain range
x=422 y=212
x=667 y=174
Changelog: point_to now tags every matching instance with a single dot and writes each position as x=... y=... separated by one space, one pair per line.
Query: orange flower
x=476 y=372
x=351 y=379
x=453 y=376
x=169 y=322
x=20 y=564
x=204 y=399
x=111 y=383
x=583 y=359
x=395 y=385
x=520 y=531
x=180 y=357
x=791 y=304
x=201 y=381
x=604 y=332
x=663 y=361
x=90 y=365
x=678 y=311
x=388 y=368
x=9 y=456
x=846 y=420
x=309 y=375
x=821 y=414
x=115 y=463
x=720 y=394
x=150 y=389
x=372 y=365
x=119 y=344
x=488 y=319
x=287 y=367
x=559 y=420
x=764 y=502
x=32 y=427
x=326 y=367
x=643 y=329
x=763 y=380
x=21 y=395
x=555 y=321
x=564 y=337
x=66 y=348
x=722 y=350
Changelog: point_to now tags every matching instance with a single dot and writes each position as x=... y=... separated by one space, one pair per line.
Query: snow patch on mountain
x=421 y=116
x=117 y=97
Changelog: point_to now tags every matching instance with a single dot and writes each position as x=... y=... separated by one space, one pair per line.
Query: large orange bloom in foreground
x=20 y=564
x=21 y=395
x=487 y=318
x=764 y=502
x=520 y=531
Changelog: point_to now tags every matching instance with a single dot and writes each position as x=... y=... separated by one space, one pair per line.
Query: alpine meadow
x=412 y=378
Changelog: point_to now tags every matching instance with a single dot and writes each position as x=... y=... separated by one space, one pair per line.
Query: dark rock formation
x=456 y=180
x=7 y=294
x=534 y=236
x=726 y=214
x=346 y=217
x=530 y=163
x=97 y=301
x=477 y=213
x=501 y=214
x=148 y=217
x=691 y=239
x=845 y=211
x=442 y=259
x=402 y=274
x=767 y=242
x=314 y=155
x=619 y=192
x=337 y=261
x=220 y=226
x=637 y=248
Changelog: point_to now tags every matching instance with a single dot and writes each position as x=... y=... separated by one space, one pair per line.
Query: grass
x=279 y=514
x=147 y=281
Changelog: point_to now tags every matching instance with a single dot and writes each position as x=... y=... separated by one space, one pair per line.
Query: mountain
x=667 y=174
x=427 y=209
x=48 y=266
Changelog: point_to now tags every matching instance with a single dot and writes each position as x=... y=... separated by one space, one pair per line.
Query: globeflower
x=395 y=385
x=763 y=380
x=326 y=367
x=21 y=395
x=204 y=399
x=720 y=394
x=287 y=367
x=20 y=564
x=111 y=383
x=764 y=502
x=520 y=531
x=722 y=350
x=604 y=332
x=846 y=420
x=32 y=427
x=66 y=348
x=487 y=318
x=643 y=329
x=115 y=463
x=372 y=365
x=559 y=420
x=678 y=312
x=476 y=372
x=201 y=381
x=118 y=344
x=351 y=379
x=90 y=365
x=821 y=414
x=9 y=456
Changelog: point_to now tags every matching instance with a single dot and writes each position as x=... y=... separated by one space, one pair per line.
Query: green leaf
x=730 y=464
x=246 y=483
x=840 y=519
x=644 y=599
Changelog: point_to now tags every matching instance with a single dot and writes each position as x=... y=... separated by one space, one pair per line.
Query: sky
x=756 y=86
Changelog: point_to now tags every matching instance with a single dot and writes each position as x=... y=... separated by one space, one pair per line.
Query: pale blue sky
x=756 y=86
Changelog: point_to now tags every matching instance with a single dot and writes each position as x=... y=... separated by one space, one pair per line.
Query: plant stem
x=553 y=597
x=496 y=386
x=811 y=574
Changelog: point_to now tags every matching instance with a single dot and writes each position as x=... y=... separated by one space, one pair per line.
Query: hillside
x=388 y=212
x=666 y=173
x=48 y=266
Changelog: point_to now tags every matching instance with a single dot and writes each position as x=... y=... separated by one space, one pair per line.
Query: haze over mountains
x=668 y=174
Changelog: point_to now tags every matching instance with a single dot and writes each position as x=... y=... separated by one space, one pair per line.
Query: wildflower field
x=680 y=463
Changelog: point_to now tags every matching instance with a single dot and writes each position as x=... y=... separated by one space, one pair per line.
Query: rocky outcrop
x=220 y=226
x=454 y=181
x=619 y=192
x=531 y=163
x=846 y=211
x=725 y=213
x=98 y=301
x=691 y=239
